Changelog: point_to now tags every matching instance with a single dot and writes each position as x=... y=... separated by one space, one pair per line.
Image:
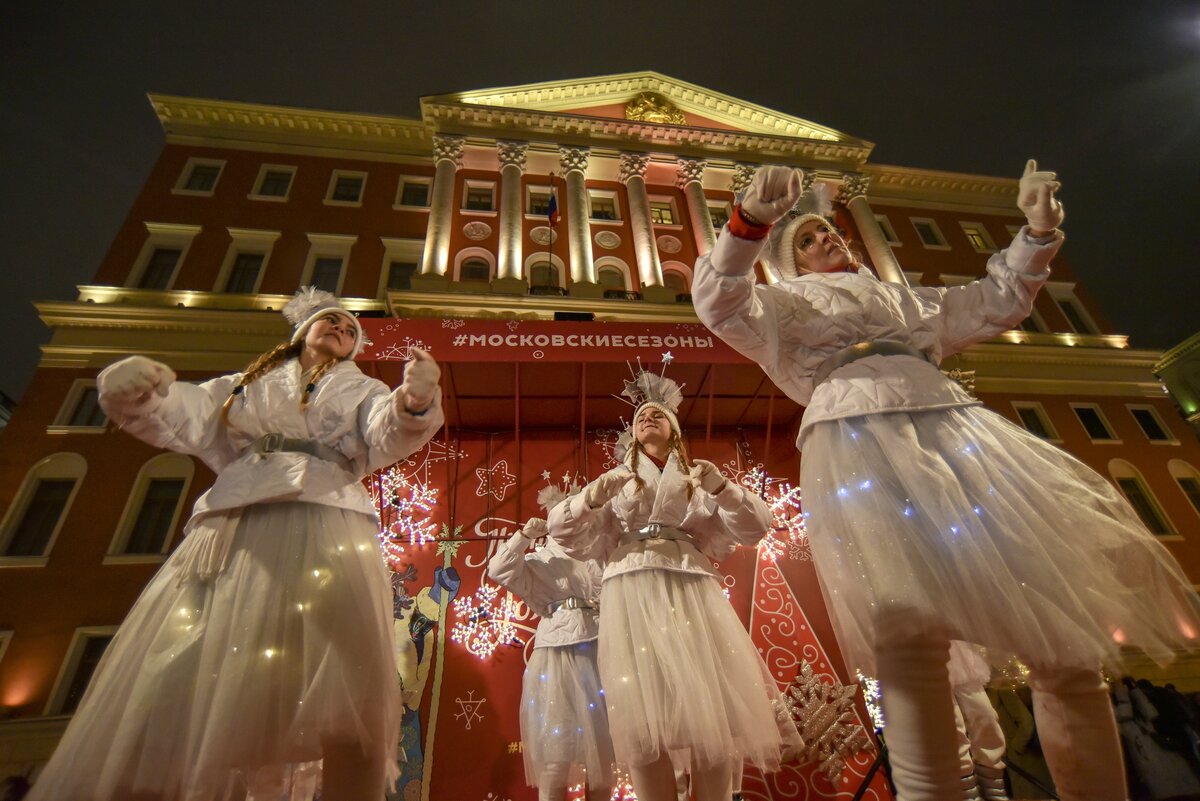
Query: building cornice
x=933 y=188
x=1176 y=353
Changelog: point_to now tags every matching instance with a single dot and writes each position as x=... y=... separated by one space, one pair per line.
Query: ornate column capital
x=448 y=148
x=512 y=154
x=810 y=178
x=633 y=165
x=853 y=186
x=689 y=171
x=573 y=158
x=743 y=174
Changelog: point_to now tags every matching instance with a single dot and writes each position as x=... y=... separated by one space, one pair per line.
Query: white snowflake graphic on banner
x=401 y=352
x=453 y=323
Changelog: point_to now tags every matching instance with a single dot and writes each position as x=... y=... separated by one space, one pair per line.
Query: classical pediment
x=624 y=105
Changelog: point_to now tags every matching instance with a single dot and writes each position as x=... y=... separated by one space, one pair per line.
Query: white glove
x=772 y=194
x=136 y=383
x=711 y=480
x=1035 y=197
x=421 y=381
x=535 y=529
x=606 y=486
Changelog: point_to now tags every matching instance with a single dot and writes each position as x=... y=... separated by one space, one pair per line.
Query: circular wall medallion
x=543 y=235
x=477 y=230
x=669 y=244
x=609 y=240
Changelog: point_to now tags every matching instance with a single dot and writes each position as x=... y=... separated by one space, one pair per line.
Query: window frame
x=1120 y=469
x=415 y=180
x=398 y=250
x=606 y=194
x=71 y=401
x=70 y=666
x=248 y=241
x=619 y=265
x=185 y=175
x=328 y=246
x=172 y=466
x=334 y=177
x=530 y=191
x=666 y=200
x=256 y=193
x=937 y=230
x=54 y=467
x=985 y=235
x=1065 y=292
x=1181 y=470
x=476 y=183
x=1040 y=411
x=162 y=236
x=1114 y=440
x=1170 y=438
x=889 y=231
x=467 y=254
x=726 y=208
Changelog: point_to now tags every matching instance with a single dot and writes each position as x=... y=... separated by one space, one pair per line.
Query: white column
x=512 y=167
x=632 y=174
x=573 y=162
x=690 y=178
x=853 y=194
x=447 y=156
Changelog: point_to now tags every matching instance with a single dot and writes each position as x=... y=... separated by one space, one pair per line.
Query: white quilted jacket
x=790 y=328
x=547 y=575
x=716 y=523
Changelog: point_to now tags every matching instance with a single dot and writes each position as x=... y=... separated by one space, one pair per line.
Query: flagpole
x=550 y=237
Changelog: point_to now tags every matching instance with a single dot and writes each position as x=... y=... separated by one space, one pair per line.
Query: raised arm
x=584 y=524
x=142 y=397
x=740 y=516
x=395 y=425
x=510 y=569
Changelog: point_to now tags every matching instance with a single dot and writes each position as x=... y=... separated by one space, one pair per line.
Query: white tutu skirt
x=682 y=676
x=226 y=688
x=959 y=522
x=563 y=718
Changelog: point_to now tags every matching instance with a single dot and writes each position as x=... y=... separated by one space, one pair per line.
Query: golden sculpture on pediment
x=653 y=107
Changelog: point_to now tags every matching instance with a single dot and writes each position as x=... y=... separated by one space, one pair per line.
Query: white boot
x=919 y=714
x=991 y=783
x=1078 y=734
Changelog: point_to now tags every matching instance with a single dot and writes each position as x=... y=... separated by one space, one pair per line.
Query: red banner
x=452 y=339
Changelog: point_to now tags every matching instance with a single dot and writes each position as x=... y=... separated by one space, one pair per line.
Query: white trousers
x=1074 y=716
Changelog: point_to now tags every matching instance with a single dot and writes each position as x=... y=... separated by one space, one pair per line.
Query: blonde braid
x=685 y=462
x=637 y=478
x=322 y=369
x=263 y=364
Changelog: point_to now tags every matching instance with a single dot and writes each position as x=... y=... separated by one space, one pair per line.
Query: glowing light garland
x=485 y=621
x=871 y=698
x=790 y=535
x=405 y=508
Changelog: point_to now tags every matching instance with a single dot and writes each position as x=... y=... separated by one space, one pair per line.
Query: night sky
x=1107 y=94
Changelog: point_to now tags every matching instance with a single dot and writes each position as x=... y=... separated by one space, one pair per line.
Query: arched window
x=1188 y=479
x=40 y=507
x=543 y=274
x=475 y=269
x=675 y=281
x=611 y=278
x=1137 y=491
x=153 y=509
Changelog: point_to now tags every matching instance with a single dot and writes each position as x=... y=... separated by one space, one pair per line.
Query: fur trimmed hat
x=309 y=304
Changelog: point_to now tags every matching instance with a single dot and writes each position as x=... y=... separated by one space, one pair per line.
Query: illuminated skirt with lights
x=563 y=719
x=682 y=676
x=217 y=688
x=960 y=522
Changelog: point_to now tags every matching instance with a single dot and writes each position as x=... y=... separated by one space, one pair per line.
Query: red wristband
x=743 y=229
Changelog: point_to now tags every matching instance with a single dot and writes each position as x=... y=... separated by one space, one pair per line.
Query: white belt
x=276 y=442
x=656 y=531
x=574 y=602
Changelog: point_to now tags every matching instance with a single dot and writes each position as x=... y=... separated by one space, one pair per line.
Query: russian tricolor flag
x=552 y=209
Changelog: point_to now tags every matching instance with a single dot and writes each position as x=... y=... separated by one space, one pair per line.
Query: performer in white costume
x=932 y=518
x=264 y=643
x=564 y=723
x=681 y=676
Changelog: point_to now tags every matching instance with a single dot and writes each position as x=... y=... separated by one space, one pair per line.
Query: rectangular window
x=414 y=193
x=662 y=212
x=475 y=270
x=326 y=274
x=1150 y=424
x=478 y=198
x=153 y=524
x=1146 y=509
x=160 y=268
x=719 y=212
x=602 y=205
x=1035 y=422
x=538 y=202
x=243 y=277
x=202 y=178
x=1031 y=325
x=1074 y=314
x=975 y=237
x=1191 y=488
x=87 y=410
x=928 y=231
x=889 y=233
x=92 y=650
x=400 y=275
x=347 y=188
x=41 y=517
x=275 y=183
x=1093 y=422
